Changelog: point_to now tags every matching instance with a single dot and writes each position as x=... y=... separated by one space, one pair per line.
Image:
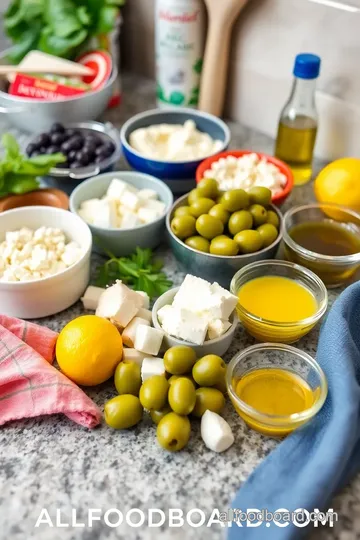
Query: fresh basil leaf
x=46 y=160
x=106 y=20
x=25 y=38
x=60 y=46
x=61 y=18
x=10 y=145
x=20 y=184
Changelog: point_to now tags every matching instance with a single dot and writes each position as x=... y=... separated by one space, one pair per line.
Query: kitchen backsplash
x=266 y=39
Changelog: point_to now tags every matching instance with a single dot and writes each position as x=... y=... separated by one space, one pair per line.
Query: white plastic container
x=179 y=48
x=50 y=295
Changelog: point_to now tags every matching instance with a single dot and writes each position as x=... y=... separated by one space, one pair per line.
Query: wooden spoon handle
x=215 y=69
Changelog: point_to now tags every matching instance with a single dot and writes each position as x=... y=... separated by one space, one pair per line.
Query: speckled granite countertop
x=52 y=463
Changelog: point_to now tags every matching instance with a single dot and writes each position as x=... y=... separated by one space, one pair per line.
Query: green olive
x=208 y=399
x=183 y=226
x=201 y=206
x=154 y=392
x=209 y=370
x=182 y=396
x=268 y=234
x=173 y=432
x=223 y=245
x=221 y=385
x=193 y=195
x=123 y=412
x=208 y=187
x=260 y=195
x=240 y=221
x=258 y=213
x=127 y=378
x=182 y=211
x=209 y=226
x=174 y=378
x=219 y=211
x=199 y=243
x=156 y=416
x=273 y=218
x=248 y=241
x=179 y=360
x=235 y=199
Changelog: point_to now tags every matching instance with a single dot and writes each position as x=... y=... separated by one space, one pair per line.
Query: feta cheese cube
x=216 y=432
x=119 y=303
x=145 y=299
x=113 y=213
x=132 y=355
x=130 y=200
x=193 y=295
x=151 y=367
x=116 y=189
x=227 y=300
x=163 y=313
x=147 y=194
x=156 y=206
x=145 y=314
x=217 y=328
x=102 y=216
x=129 y=220
x=147 y=215
x=148 y=340
x=129 y=333
x=91 y=297
x=185 y=325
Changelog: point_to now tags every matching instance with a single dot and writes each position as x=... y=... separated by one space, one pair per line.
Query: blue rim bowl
x=180 y=175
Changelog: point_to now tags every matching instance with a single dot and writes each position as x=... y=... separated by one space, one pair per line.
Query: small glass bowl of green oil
x=324 y=238
x=275 y=388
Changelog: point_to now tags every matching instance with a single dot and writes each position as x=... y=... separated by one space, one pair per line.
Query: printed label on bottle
x=179 y=47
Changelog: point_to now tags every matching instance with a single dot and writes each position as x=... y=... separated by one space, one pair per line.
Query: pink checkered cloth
x=29 y=385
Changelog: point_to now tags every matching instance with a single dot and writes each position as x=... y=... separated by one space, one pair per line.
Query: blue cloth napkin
x=314 y=462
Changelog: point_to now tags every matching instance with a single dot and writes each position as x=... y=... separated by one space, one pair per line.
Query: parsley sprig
x=139 y=271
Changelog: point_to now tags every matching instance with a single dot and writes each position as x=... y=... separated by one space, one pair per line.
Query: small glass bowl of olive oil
x=325 y=238
x=275 y=388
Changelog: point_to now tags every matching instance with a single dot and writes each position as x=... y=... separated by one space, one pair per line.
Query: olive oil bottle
x=298 y=123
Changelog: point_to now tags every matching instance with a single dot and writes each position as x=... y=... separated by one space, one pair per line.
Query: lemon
x=339 y=183
x=88 y=350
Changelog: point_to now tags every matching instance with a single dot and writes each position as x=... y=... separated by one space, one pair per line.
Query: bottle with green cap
x=299 y=120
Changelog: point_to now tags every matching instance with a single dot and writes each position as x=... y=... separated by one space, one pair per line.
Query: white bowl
x=46 y=296
x=217 y=346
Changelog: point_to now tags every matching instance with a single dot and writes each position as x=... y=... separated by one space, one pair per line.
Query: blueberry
x=42 y=149
x=31 y=148
x=43 y=140
x=110 y=147
x=57 y=128
x=72 y=156
x=83 y=157
x=57 y=138
x=66 y=147
x=71 y=132
x=75 y=165
x=76 y=142
x=99 y=159
x=93 y=140
x=53 y=149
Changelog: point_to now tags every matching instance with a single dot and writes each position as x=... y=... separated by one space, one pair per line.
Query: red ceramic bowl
x=276 y=199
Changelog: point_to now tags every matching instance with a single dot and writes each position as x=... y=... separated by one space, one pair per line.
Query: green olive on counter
x=182 y=396
x=199 y=243
x=123 y=412
x=240 y=221
x=154 y=392
x=223 y=245
x=179 y=360
x=182 y=211
x=208 y=399
x=268 y=234
x=156 y=416
x=209 y=370
x=235 y=199
x=208 y=187
x=259 y=214
x=273 y=218
x=173 y=432
x=174 y=378
x=183 y=226
x=193 y=195
x=127 y=378
x=201 y=206
x=209 y=226
x=248 y=241
x=219 y=211
x=260 y=195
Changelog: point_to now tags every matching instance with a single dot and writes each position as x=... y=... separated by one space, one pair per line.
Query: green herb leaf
x=11 y=146
x=20 y=184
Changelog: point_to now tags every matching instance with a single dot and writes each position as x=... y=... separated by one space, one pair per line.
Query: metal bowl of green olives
x=214 y=234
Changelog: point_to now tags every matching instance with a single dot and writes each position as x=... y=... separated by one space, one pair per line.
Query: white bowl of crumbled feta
x=44 y=261
x=245 y=169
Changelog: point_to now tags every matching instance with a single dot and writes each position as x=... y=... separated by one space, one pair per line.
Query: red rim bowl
x=279 y=198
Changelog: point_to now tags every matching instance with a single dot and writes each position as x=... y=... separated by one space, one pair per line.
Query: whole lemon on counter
x=339 y=183
x=88 y=350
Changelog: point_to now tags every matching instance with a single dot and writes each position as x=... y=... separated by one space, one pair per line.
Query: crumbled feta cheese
x=186 y=325
x=151 y=367
x=28 y=254
x=217 y=328
x=119 y=303
x=132 y=355
x=129 y=333
x=148 y=340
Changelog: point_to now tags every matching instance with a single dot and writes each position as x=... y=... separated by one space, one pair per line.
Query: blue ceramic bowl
x=123 y=241
x=180 y=175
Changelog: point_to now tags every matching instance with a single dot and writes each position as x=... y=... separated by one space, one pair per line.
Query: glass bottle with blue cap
x=299 y=120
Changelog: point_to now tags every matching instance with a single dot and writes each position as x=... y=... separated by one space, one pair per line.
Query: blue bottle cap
x=307 y=66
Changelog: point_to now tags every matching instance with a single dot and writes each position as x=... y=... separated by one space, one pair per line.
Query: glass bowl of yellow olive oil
x=326 y=239
x=279 y=301
x=275 y=388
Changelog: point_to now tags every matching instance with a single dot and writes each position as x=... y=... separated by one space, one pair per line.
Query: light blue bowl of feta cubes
x=123 y=209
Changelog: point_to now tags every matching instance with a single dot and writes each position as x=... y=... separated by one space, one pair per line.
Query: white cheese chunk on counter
x=91 y=297
x=151 y=367
x=123 y=206
x=129 y=333
x=216 y=432
x=132 y=355
x=148 y=340
x=120 y=304
x=145 y=314
x=145 y=299
x=186 y=325
x=217 y=328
